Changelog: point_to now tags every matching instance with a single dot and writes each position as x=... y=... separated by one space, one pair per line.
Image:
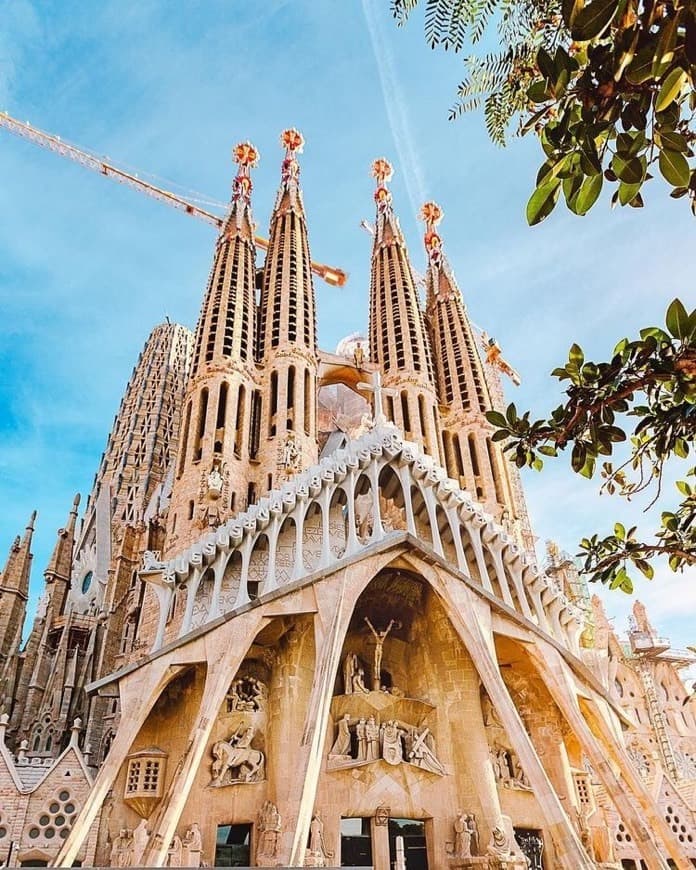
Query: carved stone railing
x=311 y=524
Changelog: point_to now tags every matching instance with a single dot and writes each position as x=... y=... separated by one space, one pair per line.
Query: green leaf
x=593 y=19
x=671 y=141
x=645 y=568
x=677 y=320
x=670 y=88
x=629 y=170
x=620 y=531
x=496 y=418
x=588 y=194
x=543 y=201
x=640 y=68
x=627 y=192
x=674 y=168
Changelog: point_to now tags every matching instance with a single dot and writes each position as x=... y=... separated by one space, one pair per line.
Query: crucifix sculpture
x=377 y=390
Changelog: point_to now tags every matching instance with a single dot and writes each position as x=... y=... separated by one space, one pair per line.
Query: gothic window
x=255 y=427
x=239 y=422
x=404 y=412
x=221 y=415
x=200 y=429
x=290 y=399
x=499 y=494
x=421 y=417
x=307 y=400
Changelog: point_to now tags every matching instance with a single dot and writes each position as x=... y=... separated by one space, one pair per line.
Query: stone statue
x=122 y=849
x=519 y=776
x=372 y=736
x=140 y=837
x=291 y=454
x=192 y=847
x=473 y=830
x=341 y=747
x=392 y=747
x=359 y=682
x=247 y=695
x=462 y=837
x=175 y=852
x=317 y=853
x=358 y=355
x=350 y=668
x=269 y=827
x=215 y=482
x=237 y=758
x=499 y=846
x=422 y=754
x=380 y=637
x=361 y=734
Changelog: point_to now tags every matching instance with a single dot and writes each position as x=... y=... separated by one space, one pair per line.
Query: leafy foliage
x=608 y=87
x=644 y=396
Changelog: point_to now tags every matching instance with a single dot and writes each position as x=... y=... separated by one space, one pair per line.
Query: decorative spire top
x=431 y=215
x=382 y=172
x=246 y=156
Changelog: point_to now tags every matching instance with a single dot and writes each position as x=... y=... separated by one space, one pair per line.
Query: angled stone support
x=478 y=640
x=560 y=684
x=218 y=677
x=136 y=702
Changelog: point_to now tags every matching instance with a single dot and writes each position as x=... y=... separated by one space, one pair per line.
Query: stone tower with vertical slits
x=399 y=342
x=213 y=463
x=470 y=455
x=287 y=335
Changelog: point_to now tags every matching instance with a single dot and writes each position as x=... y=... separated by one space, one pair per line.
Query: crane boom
x=335 y=277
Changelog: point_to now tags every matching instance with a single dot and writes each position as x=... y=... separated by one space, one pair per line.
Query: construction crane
x=335 y=277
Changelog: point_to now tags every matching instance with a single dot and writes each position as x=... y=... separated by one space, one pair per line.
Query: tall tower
x=14 y=593
x=287 y=341
x=139 y=454
x=212 y=467
x=470 y=455
x=399 y=341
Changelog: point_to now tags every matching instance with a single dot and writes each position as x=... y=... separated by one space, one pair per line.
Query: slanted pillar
x=559 y=683
x=478 y=640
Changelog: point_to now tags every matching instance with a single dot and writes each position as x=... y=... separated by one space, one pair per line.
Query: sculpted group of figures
x=508 y=768
x=128 y=847
x=501 y=853
x=365 y=739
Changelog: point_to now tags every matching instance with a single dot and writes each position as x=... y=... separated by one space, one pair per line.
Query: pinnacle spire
x=289 y=193
x=60 y=564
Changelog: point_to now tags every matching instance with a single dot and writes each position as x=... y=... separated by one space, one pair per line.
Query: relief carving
x=269 y=828
x=364 y=740
x=236 y=761
x=247 y=695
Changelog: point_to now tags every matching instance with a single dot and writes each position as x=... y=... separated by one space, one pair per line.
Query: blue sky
x=88 y=267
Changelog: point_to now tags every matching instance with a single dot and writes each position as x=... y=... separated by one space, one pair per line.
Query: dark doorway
x=532 y=845
x=415 y=849
x=356 y=843
x=233 y=846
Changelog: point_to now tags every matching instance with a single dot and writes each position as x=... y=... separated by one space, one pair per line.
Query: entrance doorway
x=233 y=846
x=356 y=843
x=532 y=845
x=415 y=849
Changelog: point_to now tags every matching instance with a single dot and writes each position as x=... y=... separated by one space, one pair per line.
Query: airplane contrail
x=397 y=111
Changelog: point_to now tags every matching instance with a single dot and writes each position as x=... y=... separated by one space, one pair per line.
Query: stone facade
x=324 y=639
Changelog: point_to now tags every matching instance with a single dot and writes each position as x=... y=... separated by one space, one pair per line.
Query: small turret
x=14 y=591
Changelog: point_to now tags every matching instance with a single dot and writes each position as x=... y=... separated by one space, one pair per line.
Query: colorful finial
x=246 y=156
x=382 y=172
x=292 y=140
x=431 y=214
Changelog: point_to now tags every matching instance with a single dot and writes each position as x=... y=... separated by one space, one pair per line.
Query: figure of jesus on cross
x=380 y=637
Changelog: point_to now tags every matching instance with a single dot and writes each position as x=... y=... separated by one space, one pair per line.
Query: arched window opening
x=497 y=482
x=458 y=458
x=255 y=427
x=239 y=422
x=421 y=420
x=404 y=412
x=191 y=508
x=200 y=429
x=221 y=414
x=273 y=408
x=184 y=440
x=291 y=387
x=307 y=401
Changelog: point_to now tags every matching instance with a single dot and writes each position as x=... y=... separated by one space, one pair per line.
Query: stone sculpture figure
x=392 y=747
x=341 y=747
x=192 y=847
x=247 y=695
x=270 y=825
x=175 y=852
x=380 y=637
x=422 y=754
x=291 y=454
x=372 y=735
x=140 y=837
x=361 y=734
x=359 y=682
x=473 y=830
x=122 y=849
x=499 y=845
x=237 y=754
x=317 y=853
x=462 y=837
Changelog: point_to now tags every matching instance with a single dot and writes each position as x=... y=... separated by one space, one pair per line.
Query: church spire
x=59 y=566
x=470 y=455
x=214 y=450
x=14 y=587
x=399 y=341
x=287 y=342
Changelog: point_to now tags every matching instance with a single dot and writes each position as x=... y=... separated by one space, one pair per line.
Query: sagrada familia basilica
x=300 y=620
